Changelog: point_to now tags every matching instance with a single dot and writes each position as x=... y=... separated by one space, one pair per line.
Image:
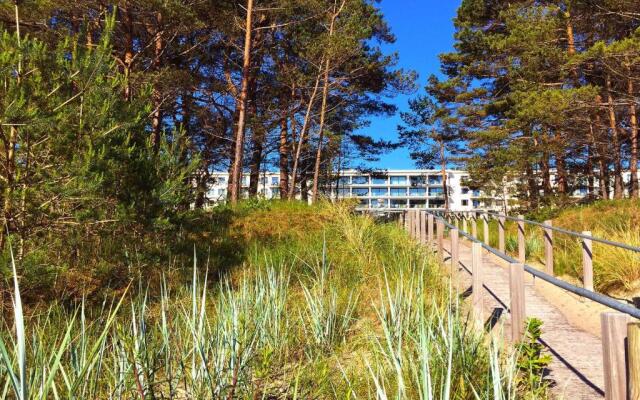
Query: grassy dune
x=323 y=305
x=616 y=271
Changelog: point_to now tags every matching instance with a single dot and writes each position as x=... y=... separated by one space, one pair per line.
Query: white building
x=392 y=190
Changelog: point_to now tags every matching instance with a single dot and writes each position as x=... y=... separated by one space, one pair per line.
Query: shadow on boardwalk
x=576 y=369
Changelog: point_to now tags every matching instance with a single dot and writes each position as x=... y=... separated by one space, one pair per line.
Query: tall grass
x=355 y=310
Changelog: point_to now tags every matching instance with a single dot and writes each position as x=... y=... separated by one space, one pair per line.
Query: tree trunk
x=156 y=122
x=323 y=110
x=283 y=150
x=236 y=170
x=305 y=126
x=561 y=173
x=546 y=174
x=589 y=172
x=257 y=142
x=318 y=160
x=443 y=165
x=633 y=122
x=603 y=180
x=618 y=184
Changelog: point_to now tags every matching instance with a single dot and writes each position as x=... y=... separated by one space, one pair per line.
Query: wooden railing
x=620 y=333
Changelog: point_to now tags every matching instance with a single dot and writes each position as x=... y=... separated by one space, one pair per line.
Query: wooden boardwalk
x=576 y=371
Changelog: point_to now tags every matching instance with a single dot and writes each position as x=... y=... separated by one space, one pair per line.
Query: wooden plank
x=548 y=248
x=430 y=228
x=423 y=226
x=501 y=244
x=474 y=225
x=517 y=305
x=614 y=336
x=440 y=233
x=485 y=233
x=455 y=249
x=522 y=255
x=633 y=351
x=477 y=290
x=587 y=262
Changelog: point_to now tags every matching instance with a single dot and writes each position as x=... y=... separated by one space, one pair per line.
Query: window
x=436 y=203
x=417 y=192
x=360 y=180
x=465 y=203
x=400 y=192
x=398 y=180
x=418 y=181
x=581 y=191
x=245 y=181
x=344 y=181
x=465 y=190
x=342 y=193
x=275 y=180
x=363 y=204
x=379 y=180
x=360 y=192
x=275 y=193
x=476 y=193
x=378 y=203
x=397 y=204
x=476 y=203
x=221 y=180
x=379 y=192
x=435 y=180
x=222 y=193
x=417 y=203
x=436 y=192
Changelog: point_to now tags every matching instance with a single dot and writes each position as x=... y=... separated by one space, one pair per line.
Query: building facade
x=394 y=190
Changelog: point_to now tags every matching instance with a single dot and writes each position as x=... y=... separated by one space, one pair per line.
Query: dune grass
x=342 y=308
x=616 y=270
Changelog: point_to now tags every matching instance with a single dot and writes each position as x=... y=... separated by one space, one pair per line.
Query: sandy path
x=575 y=347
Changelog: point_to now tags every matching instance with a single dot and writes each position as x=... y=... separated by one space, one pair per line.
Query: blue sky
x=423 y=29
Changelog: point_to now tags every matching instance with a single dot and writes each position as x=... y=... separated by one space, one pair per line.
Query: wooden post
x=440 y=233
x=485 y=233
x=501 y=245
x=476 y=270
x=416 y=225
x=614 y=335
x=633 y=352
x=587 y=262
x=522 y=252
x=455 y=250
x=474 y=225
x=464 y=223
x=430 y=228
x=517 y=306
x=548 y=248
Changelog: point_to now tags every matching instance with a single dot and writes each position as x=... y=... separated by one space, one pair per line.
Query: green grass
x=327 y=306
